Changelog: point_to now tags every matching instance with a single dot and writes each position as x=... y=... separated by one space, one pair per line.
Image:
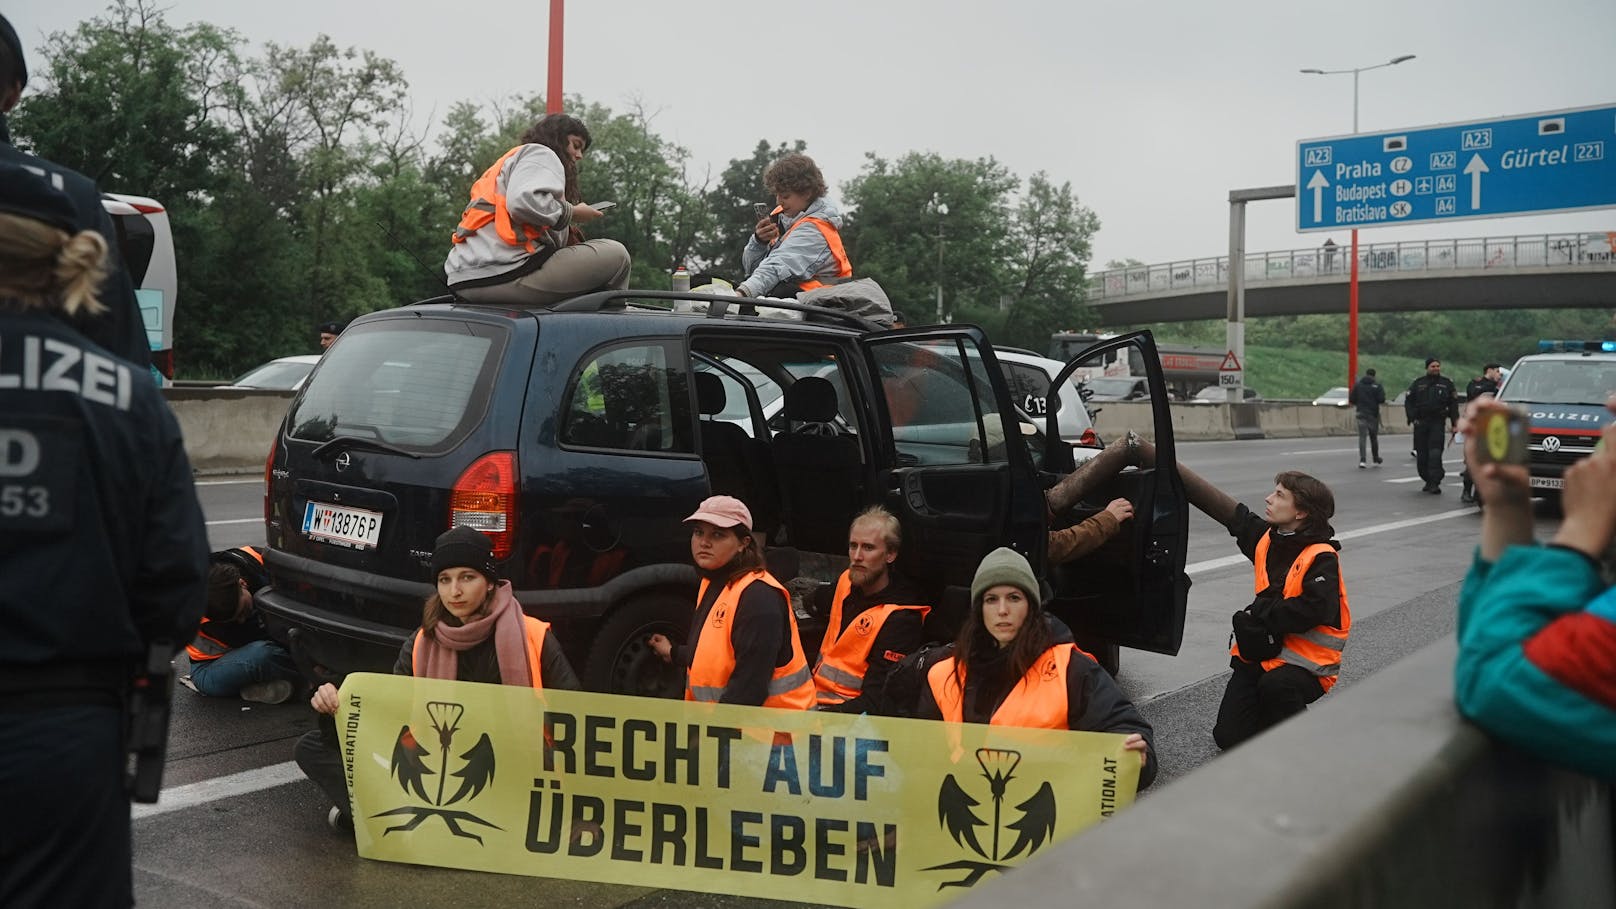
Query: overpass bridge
x=1533 y=271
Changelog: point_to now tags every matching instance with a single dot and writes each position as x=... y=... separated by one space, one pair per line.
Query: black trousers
x=1256 y=700
x=66 y=838
x=1429 y=439
x=320 y=758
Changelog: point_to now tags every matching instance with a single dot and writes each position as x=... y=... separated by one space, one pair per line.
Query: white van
x=147 y=246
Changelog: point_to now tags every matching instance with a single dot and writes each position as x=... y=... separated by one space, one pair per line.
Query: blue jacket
x=1537 y=655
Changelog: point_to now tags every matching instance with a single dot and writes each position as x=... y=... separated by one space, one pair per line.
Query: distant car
x=1118 y=388
x=283 y=374
x=1335 y=397
x=1213 y=394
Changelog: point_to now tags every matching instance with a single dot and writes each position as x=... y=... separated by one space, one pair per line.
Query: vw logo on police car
x=343 y=460
x=1551 y=444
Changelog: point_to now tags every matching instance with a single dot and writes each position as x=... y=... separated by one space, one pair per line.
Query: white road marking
x=236 y=521
x=1321 y=451
x=228 y=482
x=192 y=795
x=1226 y=561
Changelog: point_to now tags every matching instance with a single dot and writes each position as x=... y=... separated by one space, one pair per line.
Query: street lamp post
x=1352 y=282
x=941 y=208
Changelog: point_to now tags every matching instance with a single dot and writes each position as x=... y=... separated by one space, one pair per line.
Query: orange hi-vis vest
x=534 y=630
x=488 y=204
x=844 y=657
x=1038 y=701
x=791 y=686
x=833 y=239
x=1318 y=649
x=205 y=646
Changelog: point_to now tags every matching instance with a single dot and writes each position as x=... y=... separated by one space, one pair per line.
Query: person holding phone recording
x=1537 y=622
x=518 y=242
x=798 y=245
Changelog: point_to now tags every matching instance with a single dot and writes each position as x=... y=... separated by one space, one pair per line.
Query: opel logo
x=343 y=460
x=1551 y=444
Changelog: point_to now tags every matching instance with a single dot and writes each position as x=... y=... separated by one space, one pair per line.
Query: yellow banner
x=848 y=810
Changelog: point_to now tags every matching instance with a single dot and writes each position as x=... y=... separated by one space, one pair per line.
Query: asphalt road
x=239 y=826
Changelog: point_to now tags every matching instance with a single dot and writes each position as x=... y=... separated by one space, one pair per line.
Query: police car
x=1563 y=389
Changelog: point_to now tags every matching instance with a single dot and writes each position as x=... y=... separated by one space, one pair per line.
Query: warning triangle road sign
x=1230 y=363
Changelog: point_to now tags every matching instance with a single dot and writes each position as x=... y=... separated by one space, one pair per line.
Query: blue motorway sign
x=1549 y=162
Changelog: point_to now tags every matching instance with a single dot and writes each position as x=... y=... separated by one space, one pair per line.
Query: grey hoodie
x=533 y=182
x=802 y=255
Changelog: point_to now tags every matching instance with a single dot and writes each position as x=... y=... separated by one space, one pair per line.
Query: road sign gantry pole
x=1236 y=332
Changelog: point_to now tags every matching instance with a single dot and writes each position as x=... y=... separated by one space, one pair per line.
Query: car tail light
x=164 y=361
x=269 y=471
x=484 y=498
x=1088 y=439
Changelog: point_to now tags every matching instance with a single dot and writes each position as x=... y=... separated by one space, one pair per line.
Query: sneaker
x=1434 y=489
x=1467 y=498
x=186 y=681
x=1378 y=462
x=1362 y=465
x=278 y=691
x=339 y=820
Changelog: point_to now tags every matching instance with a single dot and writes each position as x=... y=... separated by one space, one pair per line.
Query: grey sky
x=1153 y=111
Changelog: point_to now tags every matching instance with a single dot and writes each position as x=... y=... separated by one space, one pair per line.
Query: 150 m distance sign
x=1548 y=162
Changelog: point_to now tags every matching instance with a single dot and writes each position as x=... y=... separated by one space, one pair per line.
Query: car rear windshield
x=418 y=385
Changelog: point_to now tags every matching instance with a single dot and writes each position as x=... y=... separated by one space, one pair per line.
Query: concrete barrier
x=1380 y=795
x=227 y=430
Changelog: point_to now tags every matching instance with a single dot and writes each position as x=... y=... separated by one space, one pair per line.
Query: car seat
x=821 y=476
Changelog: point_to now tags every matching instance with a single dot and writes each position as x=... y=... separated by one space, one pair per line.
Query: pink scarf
x=439 y=650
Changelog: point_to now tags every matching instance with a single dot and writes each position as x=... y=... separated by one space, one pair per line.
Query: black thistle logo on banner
x=1032 y=826
x=410 y=767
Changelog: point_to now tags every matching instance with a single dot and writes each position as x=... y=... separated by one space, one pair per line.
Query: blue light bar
x=1546 y=346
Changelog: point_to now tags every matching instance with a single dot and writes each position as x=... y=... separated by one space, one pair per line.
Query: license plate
x=1546 y=483
x=353 y=527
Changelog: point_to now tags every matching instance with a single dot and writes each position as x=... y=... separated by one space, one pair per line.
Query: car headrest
x=811 y=399
x=709 y=392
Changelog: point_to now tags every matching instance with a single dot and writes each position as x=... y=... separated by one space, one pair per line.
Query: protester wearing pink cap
x=745 y=648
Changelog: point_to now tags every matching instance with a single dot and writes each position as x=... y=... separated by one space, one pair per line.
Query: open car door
x=955 y=468
x=1132 y=590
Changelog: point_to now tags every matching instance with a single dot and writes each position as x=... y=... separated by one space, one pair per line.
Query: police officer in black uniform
x=118 y=328
x=1484 y=384
x=103 y=556
x=1431 y=399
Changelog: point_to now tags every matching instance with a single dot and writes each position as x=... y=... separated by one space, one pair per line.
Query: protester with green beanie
x=1012 y=668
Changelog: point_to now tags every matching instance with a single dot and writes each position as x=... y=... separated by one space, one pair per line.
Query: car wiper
x=346 y=442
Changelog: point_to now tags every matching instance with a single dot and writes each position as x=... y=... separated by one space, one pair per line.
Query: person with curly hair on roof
x=797 y=246
x=518 y=242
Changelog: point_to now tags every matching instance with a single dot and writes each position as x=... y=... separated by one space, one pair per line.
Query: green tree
x=1052 y=242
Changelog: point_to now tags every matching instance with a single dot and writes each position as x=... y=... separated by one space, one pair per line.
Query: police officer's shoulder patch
x=39 y=459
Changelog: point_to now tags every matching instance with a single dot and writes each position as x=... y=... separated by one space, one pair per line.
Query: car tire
x=1106 y=653
x=621 y=662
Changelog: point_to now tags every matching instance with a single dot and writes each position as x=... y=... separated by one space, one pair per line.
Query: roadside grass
x=1290 y=372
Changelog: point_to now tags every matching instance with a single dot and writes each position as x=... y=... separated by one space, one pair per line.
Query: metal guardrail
x=1558 y=251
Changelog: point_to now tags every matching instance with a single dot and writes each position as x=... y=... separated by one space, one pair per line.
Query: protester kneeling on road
x=472 y=630
x=1011 y=668
x=876 y=619
x=232 y=654
x=1287 y=644
x=744 y=646
x=1537 y=624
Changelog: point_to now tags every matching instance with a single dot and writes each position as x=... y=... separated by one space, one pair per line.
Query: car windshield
x=277 y=374
x=1334 y=394
x=1111 y=385
x=1586 y=381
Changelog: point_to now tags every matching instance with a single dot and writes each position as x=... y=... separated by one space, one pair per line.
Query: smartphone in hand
x=601 y=206
x=760 y=210
x=1501 y=437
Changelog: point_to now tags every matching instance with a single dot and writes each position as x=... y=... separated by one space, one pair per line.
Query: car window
x=411 y=384
x=633 y=397
x=940 y=402
x=827 y=368
x=1029 y=387
x=736 y=409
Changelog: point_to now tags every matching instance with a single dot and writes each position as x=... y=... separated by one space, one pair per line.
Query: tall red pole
x=552 y=95
x=1352 y=316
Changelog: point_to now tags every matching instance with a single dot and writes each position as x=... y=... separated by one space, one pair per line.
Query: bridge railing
x=1590 y=250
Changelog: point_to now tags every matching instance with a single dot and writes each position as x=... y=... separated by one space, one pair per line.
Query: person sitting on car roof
x=517 y=242
x=744 y=645
x=472 y=630
x=798 y=245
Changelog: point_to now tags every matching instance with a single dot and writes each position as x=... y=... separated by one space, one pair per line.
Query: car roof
x=1053 y=367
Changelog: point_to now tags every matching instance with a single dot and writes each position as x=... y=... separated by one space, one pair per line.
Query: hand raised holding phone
x=766 y=230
